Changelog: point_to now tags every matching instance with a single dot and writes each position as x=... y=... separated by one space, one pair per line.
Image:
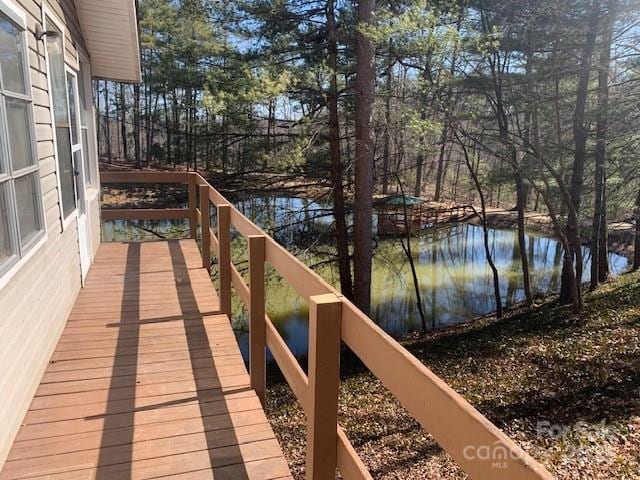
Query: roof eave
x=110 y=30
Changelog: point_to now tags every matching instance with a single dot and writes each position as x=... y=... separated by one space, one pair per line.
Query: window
x=85 y=113
x=21 y=215
x=59 y=91
x=76 y=147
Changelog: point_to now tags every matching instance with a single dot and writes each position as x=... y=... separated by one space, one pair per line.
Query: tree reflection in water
x=454 y=278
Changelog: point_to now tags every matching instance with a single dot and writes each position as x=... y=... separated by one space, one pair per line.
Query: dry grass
x=524 y=372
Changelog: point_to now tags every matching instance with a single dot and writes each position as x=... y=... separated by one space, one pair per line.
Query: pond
x=455 y=280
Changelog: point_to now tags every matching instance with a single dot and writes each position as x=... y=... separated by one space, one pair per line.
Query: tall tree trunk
x=485 y=228
x=176 y=127
x=441 y=156
x=449 y=104
x=107 y=127
x=420 y=157
x=207 y=153
x=123 y=126
x=96 y=94
x=522 y=189
x=167 y=126
x=348 y=150
x=136 y=125
x=456 y=177
x=387 y=125
x=344 y=261
x=599 y=234
x=520 y=204
x=152 y=130
x=187 y=128
x=225 y=143
x=567 y=266
x=603 y=249
x=363 y=210
x=503 y=126
x=271 y=127
x=118 y=118
x=192 y=131
x=147 y=123
x=580 y=135
x=406 y=247
x=636 y=246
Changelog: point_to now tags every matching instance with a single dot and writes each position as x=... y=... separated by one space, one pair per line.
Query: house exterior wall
x=37 y=295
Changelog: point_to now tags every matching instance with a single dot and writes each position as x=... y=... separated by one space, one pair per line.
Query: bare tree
x=636 y=246
x=136 y=126
x=363 y=209
x=580 y=136
x=387 y=123
x=599 y=237
x=337 y=170
x=123 y=121
x=498 y=61
x=107 y=121
x=405 y=242
x=485 y=228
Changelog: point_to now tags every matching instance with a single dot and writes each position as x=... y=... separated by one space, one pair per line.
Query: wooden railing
x=478 y=447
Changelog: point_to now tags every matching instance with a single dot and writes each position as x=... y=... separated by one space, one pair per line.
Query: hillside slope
x=566 y=387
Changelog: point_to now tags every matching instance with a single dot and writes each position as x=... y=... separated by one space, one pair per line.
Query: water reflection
x=143 y=230
x=455 y=280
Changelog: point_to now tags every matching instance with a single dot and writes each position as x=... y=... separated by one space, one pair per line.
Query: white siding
x=36 y=302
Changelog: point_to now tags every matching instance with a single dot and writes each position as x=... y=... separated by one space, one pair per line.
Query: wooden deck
x=147 y=381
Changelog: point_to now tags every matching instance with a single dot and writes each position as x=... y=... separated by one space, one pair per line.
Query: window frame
x=49 y=15
x=21 y=252
x=91 y=155
x=81 y=201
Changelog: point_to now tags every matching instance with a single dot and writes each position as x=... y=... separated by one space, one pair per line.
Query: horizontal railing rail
x=145 y=213
x=481 y=449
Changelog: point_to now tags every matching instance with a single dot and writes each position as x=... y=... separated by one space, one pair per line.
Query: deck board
x=147 y=381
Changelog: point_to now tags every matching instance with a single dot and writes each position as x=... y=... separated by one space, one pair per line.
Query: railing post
x=193 y=215
x=224 y=257
x=204 y=217
x=325 y=313
x=257 y=325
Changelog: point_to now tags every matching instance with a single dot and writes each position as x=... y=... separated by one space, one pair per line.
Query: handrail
x=145 y=214
x=481 y=449
x=148 y=213
x=145 y=177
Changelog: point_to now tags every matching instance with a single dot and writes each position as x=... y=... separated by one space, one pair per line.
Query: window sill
x=92 y=193
x=6 y=277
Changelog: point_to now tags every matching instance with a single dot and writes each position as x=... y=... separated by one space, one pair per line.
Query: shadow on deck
x=147 y=380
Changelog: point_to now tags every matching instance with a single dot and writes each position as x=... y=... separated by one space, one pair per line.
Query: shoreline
x=621 y=233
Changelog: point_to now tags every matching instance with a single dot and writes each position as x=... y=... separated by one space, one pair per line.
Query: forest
x=528 y=105
x=438 y=161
